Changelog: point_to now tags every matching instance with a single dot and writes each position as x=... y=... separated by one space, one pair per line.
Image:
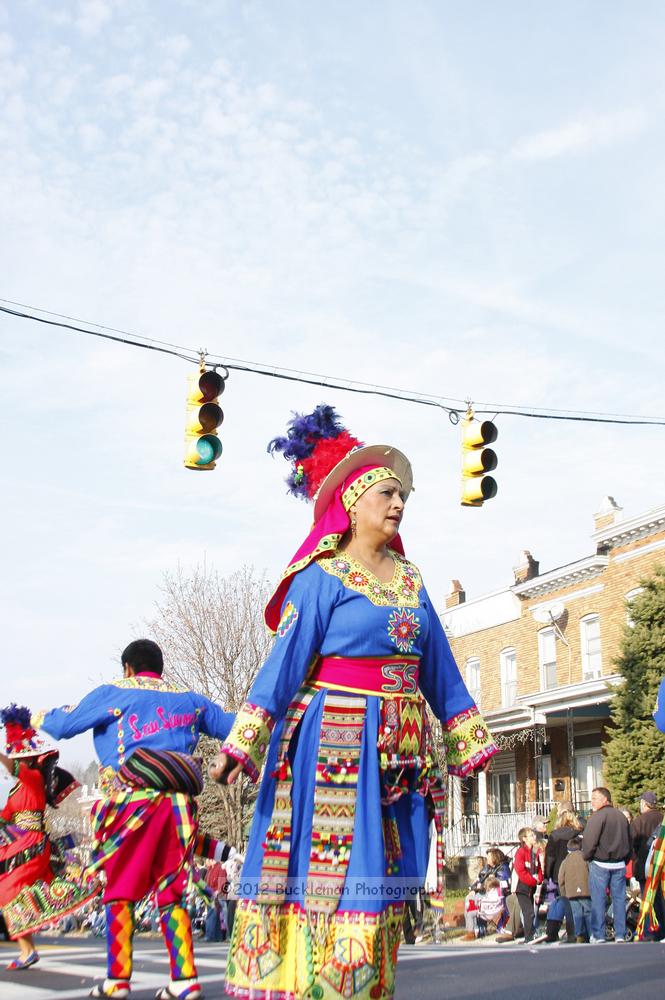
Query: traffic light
x=204 y=415
x=477 y=460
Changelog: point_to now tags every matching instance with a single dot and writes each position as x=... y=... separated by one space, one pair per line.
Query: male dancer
x=145 y=826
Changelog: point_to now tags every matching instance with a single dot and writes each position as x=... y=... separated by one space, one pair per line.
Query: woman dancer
x=340 y=832
x=31 y=893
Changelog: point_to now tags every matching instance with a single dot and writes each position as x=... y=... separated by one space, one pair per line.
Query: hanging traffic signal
x=204 y=415
x=477 y=460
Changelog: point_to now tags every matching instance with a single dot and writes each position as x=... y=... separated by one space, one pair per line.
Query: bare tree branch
x=214 y=641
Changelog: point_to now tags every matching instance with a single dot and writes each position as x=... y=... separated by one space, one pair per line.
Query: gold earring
x=353 y=523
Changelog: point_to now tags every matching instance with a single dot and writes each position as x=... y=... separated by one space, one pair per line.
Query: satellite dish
x=548 y=615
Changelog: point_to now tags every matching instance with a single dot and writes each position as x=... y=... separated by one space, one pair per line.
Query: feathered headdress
x=22 y=739
x=315 y=442
x=332 y=468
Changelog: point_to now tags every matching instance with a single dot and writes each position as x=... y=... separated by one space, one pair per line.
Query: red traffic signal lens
x=211 y=385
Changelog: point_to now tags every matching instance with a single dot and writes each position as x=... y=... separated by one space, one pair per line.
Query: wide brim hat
x=379 y=455
x=21 y=738
x=331 y=469
x=32 y=746
x=37 y=747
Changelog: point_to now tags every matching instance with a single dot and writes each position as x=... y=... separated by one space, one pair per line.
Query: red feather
x=327 y=453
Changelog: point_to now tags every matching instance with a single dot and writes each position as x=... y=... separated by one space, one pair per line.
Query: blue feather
x=15 y=715
x=305 y=430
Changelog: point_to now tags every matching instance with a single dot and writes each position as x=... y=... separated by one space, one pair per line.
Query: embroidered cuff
x=248 y=740
x=37 y=719
x=469 y=744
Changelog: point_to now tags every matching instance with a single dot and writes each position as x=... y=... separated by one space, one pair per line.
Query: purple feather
x=298 y=489
x=304 y=431
x=17 y=715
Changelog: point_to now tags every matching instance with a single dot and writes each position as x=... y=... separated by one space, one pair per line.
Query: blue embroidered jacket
x=140 y=711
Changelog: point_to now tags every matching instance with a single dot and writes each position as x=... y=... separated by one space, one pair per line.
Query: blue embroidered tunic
x=350 y=781
x=140 y=711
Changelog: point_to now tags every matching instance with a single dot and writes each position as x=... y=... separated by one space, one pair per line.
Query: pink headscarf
x=323 y=539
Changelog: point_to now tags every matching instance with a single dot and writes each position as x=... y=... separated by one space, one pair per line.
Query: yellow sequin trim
x=362 y=483
x=402 y=591
x=151 y=683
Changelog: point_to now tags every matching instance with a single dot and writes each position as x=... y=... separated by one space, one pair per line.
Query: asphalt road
x=70 y=966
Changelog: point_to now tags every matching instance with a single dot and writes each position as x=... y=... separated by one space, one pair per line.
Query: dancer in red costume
x=32 y=894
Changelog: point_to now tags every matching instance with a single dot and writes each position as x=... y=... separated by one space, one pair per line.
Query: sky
x=458 y=199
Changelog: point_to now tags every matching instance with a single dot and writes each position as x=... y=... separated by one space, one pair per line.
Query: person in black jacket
x=606 y=845
x=649 y=819
x=568 y=825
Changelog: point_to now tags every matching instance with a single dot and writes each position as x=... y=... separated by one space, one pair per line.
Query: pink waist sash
x=396 y=675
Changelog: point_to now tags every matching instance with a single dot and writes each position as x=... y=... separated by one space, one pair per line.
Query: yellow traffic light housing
x=204 y=415
x=477 y=460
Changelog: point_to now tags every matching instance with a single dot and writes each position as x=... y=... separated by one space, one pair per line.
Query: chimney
x=456 y=595
x=527 y=567
x=607 y=514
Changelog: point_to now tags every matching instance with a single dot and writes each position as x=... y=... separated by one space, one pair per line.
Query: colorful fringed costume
x=337 y=713
x=654 y=889
x=36 y=884
x=35 y=889
x=145 y=825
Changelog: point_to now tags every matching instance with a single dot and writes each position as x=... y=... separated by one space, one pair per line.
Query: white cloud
x=93 y=15
x=176 y=46
x=589 y=132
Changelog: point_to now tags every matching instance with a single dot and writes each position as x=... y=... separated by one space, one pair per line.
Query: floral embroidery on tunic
x=403 y=629
x=289 y=618
x=249 y=737
x=403 y=590
x=468 y=742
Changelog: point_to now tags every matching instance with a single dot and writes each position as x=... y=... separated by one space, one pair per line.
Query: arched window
x=547 y=658
x=508 y=665
x=630 y=597
x=592 y=666
x=473 y=677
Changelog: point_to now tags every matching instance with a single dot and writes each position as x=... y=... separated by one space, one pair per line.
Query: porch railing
x=497 y=828
x=462 y=834
x=502 y=828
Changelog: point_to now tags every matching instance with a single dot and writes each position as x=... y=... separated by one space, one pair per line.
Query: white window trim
x=548 y=630
x=588 y=674
x=506 y=655
x=475 y=689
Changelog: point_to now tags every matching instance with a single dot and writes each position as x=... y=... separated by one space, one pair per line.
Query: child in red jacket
x=529 y=871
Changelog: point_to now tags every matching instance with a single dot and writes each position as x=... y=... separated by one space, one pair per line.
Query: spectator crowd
x=582 y=882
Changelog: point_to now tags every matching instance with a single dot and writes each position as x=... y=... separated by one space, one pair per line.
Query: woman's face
x=379 y=510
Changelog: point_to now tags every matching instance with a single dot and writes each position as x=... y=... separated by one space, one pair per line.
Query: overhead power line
x=452 y=406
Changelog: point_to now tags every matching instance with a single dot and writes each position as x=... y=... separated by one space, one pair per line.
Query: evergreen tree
x=635 y=753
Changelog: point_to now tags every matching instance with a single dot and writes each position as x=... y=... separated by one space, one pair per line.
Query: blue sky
x=460 y=199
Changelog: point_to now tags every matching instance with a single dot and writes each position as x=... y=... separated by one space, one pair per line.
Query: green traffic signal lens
x=209 y=448
x=205 y=450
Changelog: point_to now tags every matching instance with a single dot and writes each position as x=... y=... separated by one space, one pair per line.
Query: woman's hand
x=225 y=770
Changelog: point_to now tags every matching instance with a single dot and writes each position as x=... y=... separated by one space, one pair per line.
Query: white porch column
x=482 y=807
x=455 y=799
